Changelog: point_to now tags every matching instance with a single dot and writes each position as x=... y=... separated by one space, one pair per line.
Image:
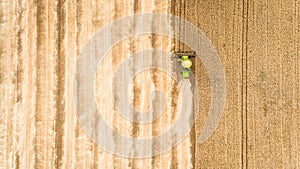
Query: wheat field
x=257 y=42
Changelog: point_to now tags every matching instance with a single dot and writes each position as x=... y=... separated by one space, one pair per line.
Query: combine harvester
x=185 y=61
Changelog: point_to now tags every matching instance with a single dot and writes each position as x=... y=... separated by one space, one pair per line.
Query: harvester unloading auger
x=185 y=62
